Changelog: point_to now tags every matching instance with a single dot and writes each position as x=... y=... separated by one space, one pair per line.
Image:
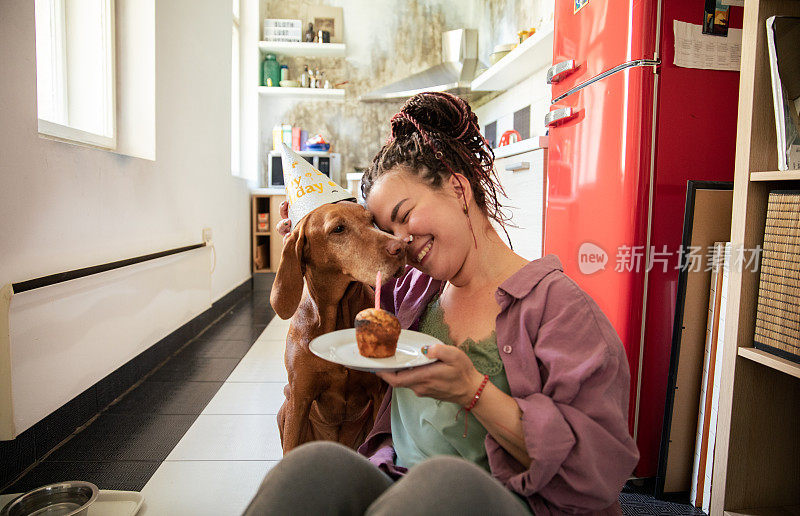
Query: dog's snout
x=394 y=247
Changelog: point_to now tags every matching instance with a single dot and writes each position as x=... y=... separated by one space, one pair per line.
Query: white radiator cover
x=57 y=341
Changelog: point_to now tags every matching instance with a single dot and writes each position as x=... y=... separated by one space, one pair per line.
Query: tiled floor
x=199 y=434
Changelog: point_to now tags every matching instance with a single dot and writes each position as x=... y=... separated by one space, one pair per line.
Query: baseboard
x=34 y=443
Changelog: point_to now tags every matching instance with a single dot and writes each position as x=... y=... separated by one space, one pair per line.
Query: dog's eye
x=338 y=229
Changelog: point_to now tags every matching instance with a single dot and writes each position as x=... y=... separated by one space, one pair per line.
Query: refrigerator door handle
x=557 y=72
x=558 y=115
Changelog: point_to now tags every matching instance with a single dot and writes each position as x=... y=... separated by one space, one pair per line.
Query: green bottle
x=272 y=71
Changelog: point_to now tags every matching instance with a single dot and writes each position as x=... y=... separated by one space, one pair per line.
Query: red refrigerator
x=627 y=130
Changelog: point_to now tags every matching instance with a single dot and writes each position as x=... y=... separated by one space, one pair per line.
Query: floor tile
x=247 y=398
x=153 y=397
x=124 y=475
x=233 y=332
x=125 y=437
x=203 y=487
x=240 y=437
x=216 y=348
x=264 y=369
x=196 y=369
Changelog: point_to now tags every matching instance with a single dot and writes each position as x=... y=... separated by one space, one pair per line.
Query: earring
x=409 y=239
x=465 y=209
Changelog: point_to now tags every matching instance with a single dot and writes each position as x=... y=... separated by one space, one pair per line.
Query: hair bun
x=438 y=112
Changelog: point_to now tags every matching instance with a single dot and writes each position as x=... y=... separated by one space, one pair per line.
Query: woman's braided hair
x=434 y=136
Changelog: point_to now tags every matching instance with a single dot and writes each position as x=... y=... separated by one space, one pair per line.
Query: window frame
x=236 y=89
x=63 y=131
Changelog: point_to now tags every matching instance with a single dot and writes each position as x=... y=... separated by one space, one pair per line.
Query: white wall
x=64 y=206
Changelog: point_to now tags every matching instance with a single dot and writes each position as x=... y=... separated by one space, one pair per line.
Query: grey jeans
x=327 y=478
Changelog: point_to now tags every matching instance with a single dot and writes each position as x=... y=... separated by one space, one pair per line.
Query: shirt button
x=506 y=349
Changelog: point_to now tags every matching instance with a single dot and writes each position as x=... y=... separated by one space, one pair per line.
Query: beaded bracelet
x=472 y=403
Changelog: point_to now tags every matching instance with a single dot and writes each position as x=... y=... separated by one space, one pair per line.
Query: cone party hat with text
x=306 y=187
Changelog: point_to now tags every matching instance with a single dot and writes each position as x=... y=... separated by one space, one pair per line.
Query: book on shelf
x=783 y=43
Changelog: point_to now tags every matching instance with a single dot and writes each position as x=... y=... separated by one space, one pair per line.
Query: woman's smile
x=424 y=251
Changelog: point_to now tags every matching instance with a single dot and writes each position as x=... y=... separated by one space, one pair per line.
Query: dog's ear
x=287 y=289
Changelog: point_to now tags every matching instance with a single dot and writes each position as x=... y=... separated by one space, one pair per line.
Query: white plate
x=340 y=347
x=108 y=503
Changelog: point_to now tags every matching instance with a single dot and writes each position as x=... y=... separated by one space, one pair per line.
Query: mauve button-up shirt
x=569 y=375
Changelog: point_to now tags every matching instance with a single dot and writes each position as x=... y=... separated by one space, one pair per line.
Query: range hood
x=454 y=75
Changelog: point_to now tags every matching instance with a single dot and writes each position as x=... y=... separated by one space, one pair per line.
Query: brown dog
x=338 y=251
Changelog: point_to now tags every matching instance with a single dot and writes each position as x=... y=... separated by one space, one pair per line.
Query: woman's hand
x=284 y=227
x=453 y=378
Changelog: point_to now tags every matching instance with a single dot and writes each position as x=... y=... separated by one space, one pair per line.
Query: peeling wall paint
x=386 y=40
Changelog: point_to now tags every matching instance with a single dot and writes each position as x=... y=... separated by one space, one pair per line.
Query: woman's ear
x=462 y=188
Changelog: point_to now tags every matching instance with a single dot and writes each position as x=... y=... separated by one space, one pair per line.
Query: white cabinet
x=523 y=177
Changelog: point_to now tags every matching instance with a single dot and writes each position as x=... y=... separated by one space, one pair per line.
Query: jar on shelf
x=272 y=71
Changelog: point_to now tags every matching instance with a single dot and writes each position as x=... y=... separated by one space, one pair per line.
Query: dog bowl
x=61 y=499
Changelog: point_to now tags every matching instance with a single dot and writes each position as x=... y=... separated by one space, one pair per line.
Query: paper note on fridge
x=693 y=49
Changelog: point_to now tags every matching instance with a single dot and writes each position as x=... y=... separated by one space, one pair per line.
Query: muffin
x=377 y=332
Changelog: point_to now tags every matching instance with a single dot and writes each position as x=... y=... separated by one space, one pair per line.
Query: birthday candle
x=378 y=291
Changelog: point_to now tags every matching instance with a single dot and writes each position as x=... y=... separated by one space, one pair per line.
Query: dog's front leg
x=295 y=412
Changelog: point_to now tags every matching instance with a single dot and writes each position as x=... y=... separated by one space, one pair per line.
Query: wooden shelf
x=262 y=233
x=261 y=270
x=301 y=49
x=770 y=360
x=793 y=510
x=531 y=55
x=302 y=93
x=756 y=455
x=780 y=175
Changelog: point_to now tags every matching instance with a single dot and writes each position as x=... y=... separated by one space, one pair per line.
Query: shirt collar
x=522 y=282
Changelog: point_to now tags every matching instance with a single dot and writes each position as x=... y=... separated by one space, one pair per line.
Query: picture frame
x=327 y=18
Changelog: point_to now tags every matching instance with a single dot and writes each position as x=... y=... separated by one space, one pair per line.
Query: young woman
x=526 y=408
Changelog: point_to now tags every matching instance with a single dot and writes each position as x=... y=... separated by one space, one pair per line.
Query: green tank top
x=424 y=427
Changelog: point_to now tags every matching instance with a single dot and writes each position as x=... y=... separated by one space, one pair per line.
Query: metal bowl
x=61 y=499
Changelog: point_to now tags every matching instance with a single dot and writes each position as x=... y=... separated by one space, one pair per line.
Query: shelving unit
x=260 y=204
x=302 y=93
x=303 y=49
x=780 y=175
x=531 y=55
x=757 y=455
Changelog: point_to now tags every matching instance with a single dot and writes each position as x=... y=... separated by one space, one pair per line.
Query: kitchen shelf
x=534 y=53
x=780 y=175
x=302 y=93
x=770 y=360
x=302 y=49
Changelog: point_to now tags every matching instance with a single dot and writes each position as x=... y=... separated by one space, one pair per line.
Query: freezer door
x=600 y=36
x=597 y=204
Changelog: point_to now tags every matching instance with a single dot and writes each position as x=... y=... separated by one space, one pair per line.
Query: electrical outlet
x=207 y=235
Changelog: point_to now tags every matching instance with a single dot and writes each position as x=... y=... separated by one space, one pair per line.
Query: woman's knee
x=318 y=475
x=442 y=468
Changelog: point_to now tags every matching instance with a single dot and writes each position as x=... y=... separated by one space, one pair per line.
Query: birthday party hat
x=306 y=187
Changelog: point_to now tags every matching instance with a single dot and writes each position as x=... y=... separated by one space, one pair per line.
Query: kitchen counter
x=268 y=191
x=537 y=142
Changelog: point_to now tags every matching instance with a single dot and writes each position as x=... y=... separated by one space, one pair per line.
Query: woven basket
x=778 y=313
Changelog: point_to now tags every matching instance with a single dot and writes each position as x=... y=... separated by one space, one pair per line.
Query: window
x=75 y=71
x=235 y=94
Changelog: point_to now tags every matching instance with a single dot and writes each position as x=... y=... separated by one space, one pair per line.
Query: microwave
x=328 y=163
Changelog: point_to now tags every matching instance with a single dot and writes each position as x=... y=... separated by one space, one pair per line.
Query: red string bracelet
x=472 y=403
